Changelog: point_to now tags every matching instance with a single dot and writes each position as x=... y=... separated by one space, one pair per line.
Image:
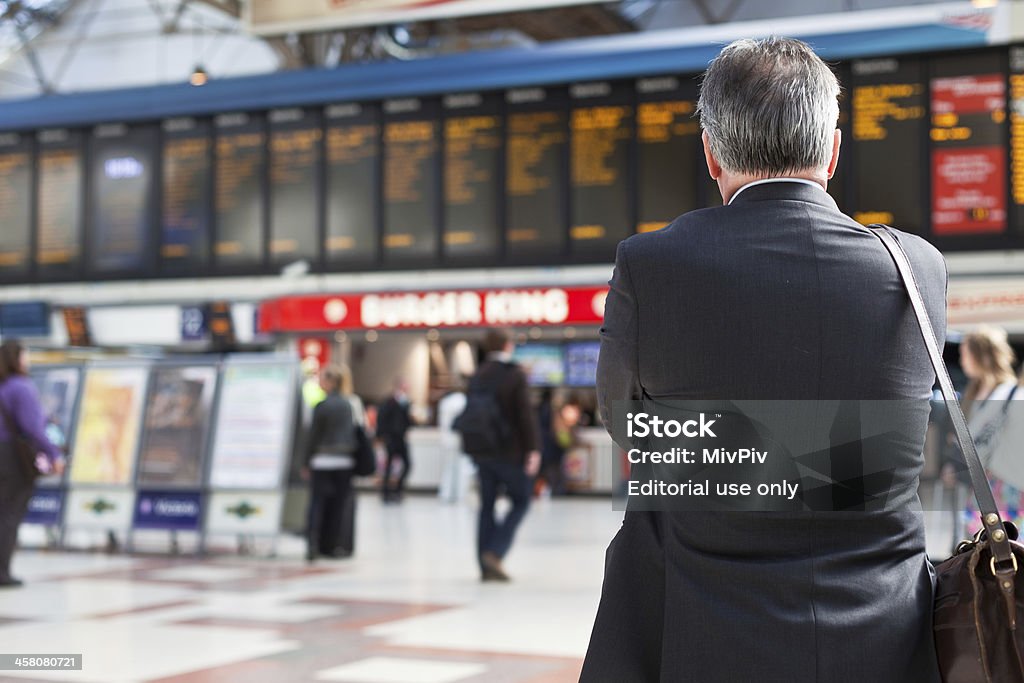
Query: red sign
x=526 y=307
x=968 y=94
x=315 y=347
x=968 y=190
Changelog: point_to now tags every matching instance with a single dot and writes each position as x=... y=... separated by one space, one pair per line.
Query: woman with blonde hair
x=987 y=359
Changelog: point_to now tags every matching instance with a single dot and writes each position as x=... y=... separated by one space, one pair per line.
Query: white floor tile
x=394 y=670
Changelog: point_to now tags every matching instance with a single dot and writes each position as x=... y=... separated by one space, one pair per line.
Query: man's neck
x=730 y=183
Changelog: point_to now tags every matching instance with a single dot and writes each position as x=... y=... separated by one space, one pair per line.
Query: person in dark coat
x=21 y=410
x=393 y=422
x=776 y=295
x=511 y=471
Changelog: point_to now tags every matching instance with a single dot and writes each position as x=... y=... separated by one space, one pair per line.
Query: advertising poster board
x=99 y=509
x=253 y=433
x=177 y=420
x=58 y=394
x=109 y=425
x=244 y=513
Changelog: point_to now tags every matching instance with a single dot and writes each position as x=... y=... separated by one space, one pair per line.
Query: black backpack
x=483 y=425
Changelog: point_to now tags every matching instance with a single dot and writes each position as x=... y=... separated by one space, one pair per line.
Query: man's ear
x=837 y=140
x=714 y=168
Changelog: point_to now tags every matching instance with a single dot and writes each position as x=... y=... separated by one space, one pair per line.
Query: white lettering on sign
x=522 y=308
x=335 y=311
x=414 y=310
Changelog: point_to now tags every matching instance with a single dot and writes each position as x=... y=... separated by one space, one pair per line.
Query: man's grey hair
x=769 y=107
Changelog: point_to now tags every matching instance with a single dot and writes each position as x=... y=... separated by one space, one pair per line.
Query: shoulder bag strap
x=1004 y=562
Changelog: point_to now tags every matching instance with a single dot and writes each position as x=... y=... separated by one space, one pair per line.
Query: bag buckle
x=993 y=564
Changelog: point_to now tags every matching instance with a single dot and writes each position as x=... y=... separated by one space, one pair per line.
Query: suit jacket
x=776 y=296
x=512 y=391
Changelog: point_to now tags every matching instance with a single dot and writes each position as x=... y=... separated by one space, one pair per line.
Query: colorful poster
x=177 y=422
x=109 y=423
x=255 y=415
x=58 y=392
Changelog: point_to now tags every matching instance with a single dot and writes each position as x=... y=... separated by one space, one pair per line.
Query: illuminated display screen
x=472 y=165
x=968 y=108
x=537 y=143
x=411 y=180
x=601 y=133
x=58 y=252
x=668 y=145
x=238 y=203
x=296 y=148
x=16 y=161
x=353 y=183
x=888 y=121
x=122 y=198
x=187 y=196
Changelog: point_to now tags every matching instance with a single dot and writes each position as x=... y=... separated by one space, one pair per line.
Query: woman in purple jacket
x=19 y=406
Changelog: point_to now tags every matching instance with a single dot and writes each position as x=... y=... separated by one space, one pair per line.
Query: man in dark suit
x=775 y=295
x=511 y=470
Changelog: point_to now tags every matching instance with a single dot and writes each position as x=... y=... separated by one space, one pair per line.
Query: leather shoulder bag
x=976 y=611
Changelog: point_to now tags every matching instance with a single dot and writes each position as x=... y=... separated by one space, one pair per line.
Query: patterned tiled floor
x=408 y=609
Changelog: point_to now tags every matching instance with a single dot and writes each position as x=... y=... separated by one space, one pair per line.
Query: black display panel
x=1017 y=138
x=122 y=199
x=472 y=172
x=890 y=157
x=16 y=160
x=187 y=196
x=411 y=180
x=968 y=150
x=668 y=144
x=296 y=157
x=239 y=201
x=536 y=174
x=353 y=183
x=59 y=204
x=601 y=135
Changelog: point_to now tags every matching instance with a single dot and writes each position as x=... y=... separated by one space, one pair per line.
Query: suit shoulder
x=926 y=259
x=654 y=241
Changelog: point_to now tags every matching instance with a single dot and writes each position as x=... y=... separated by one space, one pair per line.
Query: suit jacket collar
x=783 y=190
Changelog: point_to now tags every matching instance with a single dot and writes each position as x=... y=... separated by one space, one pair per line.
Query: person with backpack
x=331 y=458
x=499 y=432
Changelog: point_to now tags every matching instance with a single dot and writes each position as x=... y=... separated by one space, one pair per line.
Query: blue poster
x=169 y=510
x=45 y=507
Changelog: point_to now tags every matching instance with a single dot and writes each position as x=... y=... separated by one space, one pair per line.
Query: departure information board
x=888 y=113
x=296 y=154
x=472 y=168
x=601 y=134
x=16 y=163
x=668 y=148
x=968 y=108
x=353 y=183
x=536 y=173
x=239 y=200
x=411 y=180
x=1017 y=136
x=187 y=196
x=122 y=199
x=58 y=252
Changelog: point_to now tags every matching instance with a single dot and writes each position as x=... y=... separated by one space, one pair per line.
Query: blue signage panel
x=25 y=319
x=169 y=510
x=45 y=507
x=193 y=323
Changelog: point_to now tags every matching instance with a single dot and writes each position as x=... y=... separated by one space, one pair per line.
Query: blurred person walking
x=498 y=408
x=393 y=422
x=330 y=464
x=456 y=467
x=21 y=417
x=776 y=295
x=987 y=359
